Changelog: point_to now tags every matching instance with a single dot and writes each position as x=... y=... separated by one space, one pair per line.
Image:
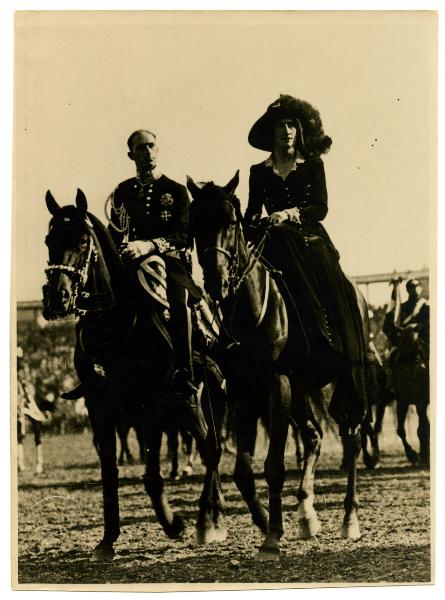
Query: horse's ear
x=233 y=184
x=81 y=201
x=192 y=187
x=51 y=204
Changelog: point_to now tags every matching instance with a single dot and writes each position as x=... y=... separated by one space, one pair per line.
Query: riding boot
x=184 y=390
x=181 y=334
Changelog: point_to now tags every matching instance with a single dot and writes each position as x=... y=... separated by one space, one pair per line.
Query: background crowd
x=48 y=365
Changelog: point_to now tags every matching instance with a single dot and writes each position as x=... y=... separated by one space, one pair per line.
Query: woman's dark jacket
x=304 y=187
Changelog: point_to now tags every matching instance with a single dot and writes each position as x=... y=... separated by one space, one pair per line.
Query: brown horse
x=123 y=362
x=255 y=331
x=409 y=374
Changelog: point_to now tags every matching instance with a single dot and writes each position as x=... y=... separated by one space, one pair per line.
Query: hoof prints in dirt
x=60 y=522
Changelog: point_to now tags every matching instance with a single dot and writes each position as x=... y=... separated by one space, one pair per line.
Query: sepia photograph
x=223 y=303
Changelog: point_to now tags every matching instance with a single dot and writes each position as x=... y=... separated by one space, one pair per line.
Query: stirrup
x=182 y=382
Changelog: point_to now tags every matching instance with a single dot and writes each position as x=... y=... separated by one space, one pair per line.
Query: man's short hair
x=135 y=133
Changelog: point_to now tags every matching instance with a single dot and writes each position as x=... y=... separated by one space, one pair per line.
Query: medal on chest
x=166 y=207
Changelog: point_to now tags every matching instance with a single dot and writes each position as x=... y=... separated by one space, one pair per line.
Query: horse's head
x=216 y=226
x=73 y=251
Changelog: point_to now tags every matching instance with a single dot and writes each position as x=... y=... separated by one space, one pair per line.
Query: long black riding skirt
x=326 y=330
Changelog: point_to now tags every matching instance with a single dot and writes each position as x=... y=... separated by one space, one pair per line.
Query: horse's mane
x=110 y=253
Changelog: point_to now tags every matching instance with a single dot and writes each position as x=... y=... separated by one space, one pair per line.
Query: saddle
x=152 y=276
x=101 y=349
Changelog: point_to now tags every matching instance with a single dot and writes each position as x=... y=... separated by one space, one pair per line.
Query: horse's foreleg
x=402 y=410
x=189 y=451
x=246 y=428
x=350 y=528
x=367 y=431
x=380 y=413
x=311 y=434
x=122 y=430
x=209 y=527
x=279 y=410
x=105 y=438
x=139 y=428
x=297 y=436
x=172 y=443
x=423 y=431
x=172 y=524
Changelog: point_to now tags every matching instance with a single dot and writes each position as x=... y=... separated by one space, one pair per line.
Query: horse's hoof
x=176 y=528
x=210 y=535
x=268 y=555
x=39 y=469
x=220 y=534
x=174 y=476
x=371 y=462
x=351 y=530
x=103 y=552
x=187 y=471
x=309 y=528
x=413 y=457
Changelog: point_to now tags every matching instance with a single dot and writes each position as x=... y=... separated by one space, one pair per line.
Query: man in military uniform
x=414 y=315
x=150 y=214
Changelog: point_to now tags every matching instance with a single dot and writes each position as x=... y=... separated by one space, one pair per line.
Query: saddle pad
x=153 y=279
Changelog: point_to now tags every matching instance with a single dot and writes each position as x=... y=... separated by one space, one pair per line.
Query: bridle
x=237 y=275
x=233 y=259
x=79 y=276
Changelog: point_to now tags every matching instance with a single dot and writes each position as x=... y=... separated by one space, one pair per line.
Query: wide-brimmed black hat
x=311 y=137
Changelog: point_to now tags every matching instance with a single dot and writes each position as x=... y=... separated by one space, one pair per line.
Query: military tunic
x=157 y=211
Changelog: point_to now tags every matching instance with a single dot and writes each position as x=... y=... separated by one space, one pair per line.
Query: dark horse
x=255 y=326
x=123 y=361
x=409 y=375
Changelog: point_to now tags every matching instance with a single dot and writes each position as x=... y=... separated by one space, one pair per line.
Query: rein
x=80 y=277
x=236 y=278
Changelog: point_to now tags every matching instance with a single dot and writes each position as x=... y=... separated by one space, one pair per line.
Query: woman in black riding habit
x=290 y=184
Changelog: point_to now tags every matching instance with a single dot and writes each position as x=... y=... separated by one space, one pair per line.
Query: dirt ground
x=60 y=521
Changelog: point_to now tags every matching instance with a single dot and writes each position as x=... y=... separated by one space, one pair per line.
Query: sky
x=84 y=82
